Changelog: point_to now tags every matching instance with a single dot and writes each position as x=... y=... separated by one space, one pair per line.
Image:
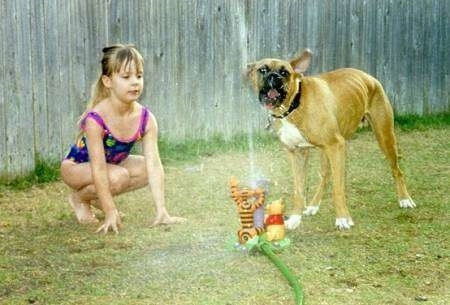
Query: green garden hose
x=265 y=247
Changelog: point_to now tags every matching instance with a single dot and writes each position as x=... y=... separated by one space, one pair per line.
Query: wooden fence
x=195 y=52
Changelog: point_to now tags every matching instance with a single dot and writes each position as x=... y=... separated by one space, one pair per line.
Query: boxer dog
x=323 y=111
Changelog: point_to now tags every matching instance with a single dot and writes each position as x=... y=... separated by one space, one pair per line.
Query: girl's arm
x=94 y=135
x=155 y=173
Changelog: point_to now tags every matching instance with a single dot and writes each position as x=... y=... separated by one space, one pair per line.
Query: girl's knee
x=119 y=181
x=75 y=175
x=64 y=169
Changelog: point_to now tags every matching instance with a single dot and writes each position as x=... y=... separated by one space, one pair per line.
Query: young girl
x=99 y=166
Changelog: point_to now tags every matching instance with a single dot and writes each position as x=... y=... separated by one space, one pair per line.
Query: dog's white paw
x=407 y=203
x=311 y=210
x=344 y=223
x=293 y=222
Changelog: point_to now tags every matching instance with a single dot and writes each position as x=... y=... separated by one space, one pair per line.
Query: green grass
x=192 y=149
x=391 y=256
x=416 y=122
x=44 y=171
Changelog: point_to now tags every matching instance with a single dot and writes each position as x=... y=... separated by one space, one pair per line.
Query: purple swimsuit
x=115 y=150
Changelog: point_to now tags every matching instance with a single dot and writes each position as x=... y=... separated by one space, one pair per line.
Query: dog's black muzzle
x=273 y=91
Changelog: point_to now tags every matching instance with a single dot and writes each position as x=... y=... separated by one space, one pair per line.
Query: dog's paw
x=292 y=222
x=344 y=223
x=407 y=203
x=311 y=210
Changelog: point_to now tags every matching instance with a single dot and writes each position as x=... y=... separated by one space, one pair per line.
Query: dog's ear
x=250 y=67
x=301 y=63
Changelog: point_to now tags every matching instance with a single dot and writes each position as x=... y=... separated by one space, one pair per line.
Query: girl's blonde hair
x=114 y=57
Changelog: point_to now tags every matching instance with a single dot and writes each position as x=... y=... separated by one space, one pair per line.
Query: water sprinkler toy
x=267 y=236
x=247 y=201
x=274 y=221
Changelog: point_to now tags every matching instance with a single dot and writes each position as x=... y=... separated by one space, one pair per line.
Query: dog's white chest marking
x=291 y=136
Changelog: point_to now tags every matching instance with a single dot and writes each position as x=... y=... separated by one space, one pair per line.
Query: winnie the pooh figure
x=274 y=221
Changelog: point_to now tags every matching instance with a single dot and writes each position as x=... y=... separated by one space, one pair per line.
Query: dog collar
x=294 y=105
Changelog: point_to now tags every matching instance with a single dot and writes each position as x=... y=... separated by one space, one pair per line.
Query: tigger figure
x=247 y=202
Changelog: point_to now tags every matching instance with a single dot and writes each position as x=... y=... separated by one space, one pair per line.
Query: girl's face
x=127 y=84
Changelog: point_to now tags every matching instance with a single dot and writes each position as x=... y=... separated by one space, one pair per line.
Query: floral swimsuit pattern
x=115 y=150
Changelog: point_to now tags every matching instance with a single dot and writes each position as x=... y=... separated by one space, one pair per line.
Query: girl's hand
x=112 y=220
x=166 y=219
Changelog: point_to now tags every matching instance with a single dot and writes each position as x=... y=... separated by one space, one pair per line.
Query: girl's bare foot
x=82 y=210
x=167 y=220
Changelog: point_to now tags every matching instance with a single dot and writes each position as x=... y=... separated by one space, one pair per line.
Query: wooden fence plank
x=195 y=52
x=4 y=26
x=18 y=100
x=79 y=87
x=11 y=105
x=39 y=79
x=26 y=149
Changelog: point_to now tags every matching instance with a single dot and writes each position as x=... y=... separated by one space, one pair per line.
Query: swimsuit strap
x=144 y=119
x=97 y=118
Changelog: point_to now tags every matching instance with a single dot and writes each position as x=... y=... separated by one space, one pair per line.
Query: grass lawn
x=391 y=256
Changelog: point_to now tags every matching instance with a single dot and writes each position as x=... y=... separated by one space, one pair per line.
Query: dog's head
x=276 y=81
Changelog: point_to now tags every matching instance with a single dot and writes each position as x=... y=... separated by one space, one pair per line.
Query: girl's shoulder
x=94 y=116
x=142 y=107
x=148 y=120
x=146 y=113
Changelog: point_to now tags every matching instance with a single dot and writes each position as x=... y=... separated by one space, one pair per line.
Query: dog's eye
x=284 y=72
x=263 y=70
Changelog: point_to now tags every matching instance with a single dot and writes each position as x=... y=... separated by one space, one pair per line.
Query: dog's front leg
x=298 y=158
x=336 y=156
x=314 y=205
